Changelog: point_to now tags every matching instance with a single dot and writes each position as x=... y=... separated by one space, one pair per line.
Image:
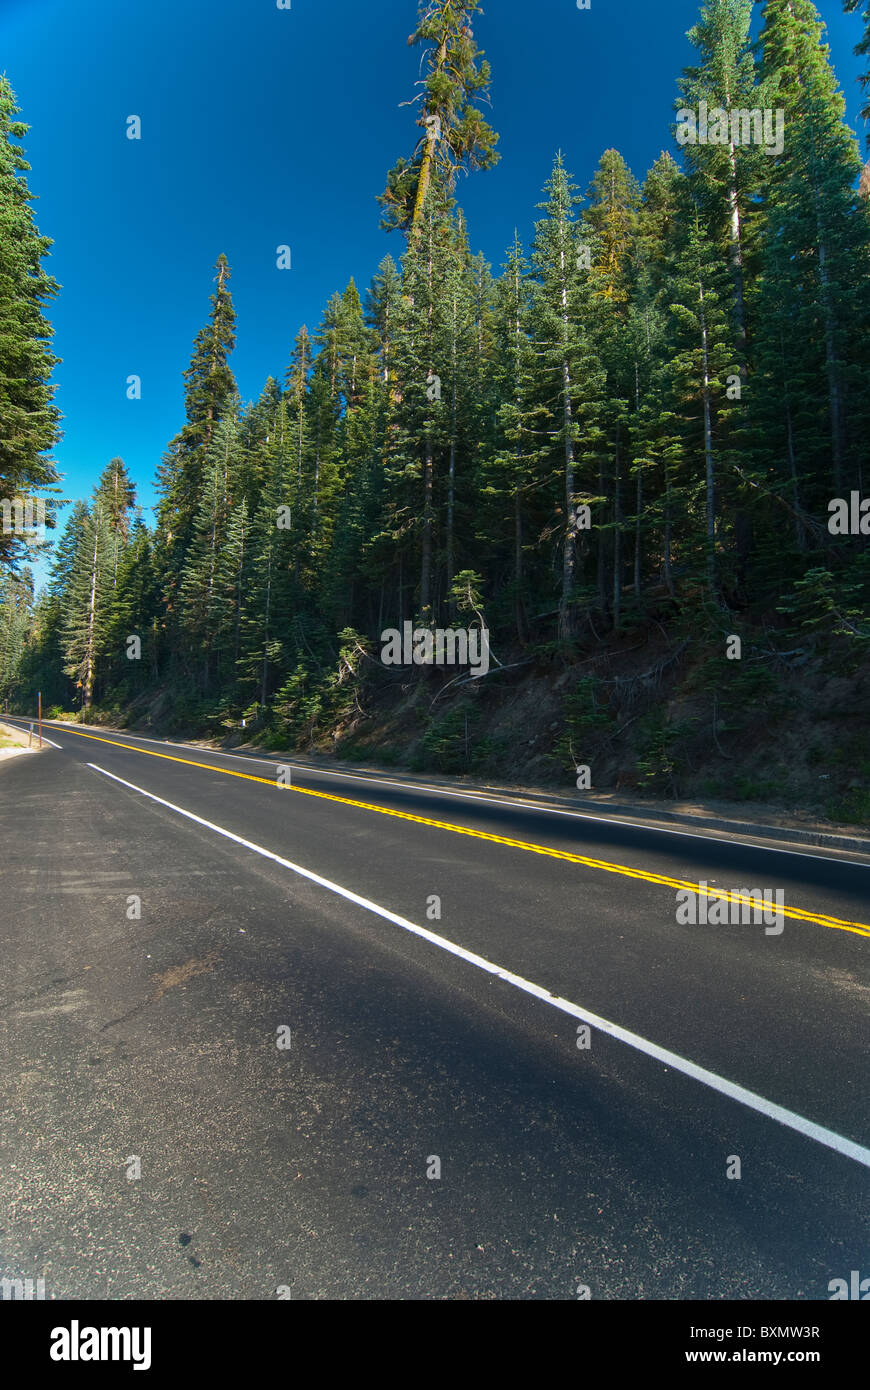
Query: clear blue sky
x=263 y=127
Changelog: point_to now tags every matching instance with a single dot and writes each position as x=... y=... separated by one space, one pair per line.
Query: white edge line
x=517 y=803
x=847 y=1147
x=49 y=741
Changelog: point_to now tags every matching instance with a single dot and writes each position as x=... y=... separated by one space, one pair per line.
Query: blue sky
x=263 y=127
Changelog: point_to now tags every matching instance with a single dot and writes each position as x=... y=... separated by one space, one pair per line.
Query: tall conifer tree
x=455 y=134
x=29 y=419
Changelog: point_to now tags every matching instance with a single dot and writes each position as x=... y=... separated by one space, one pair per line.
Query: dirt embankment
x=649 y=718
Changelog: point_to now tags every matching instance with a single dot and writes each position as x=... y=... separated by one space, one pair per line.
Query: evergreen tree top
x=456 y=137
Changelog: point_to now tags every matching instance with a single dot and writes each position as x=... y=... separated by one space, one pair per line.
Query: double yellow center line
x=797 y=913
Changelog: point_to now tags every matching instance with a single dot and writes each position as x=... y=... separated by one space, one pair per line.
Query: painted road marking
x=486 y=798
x=847 y=1147
x=529 y=847
x=49 y=741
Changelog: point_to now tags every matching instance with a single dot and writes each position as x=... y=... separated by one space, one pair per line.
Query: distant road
x=434 y=957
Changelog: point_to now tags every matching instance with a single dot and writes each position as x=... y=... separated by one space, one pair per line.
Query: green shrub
x=449 y=739
x=586 y=718
x=661 y=758
x=851 y=809
x=748 y=789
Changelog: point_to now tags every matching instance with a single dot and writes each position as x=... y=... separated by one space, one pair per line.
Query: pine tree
x=210 y=394
x=268 y=588
x=701 y=359
x=230 y=581
x=513 y=469
x=355 y=347
x=571 y=375
x=210 y=385
x=346 y=501
x=814 y=219
x=465 y=358
x=418 y=428
x=455 y=134
x=324 y=412
x=611 y=220
x=202 y=599
x=862 y=48
x=653 y=441
x=296 y=386
x=16 y=624
x=262 y=428
x=28 y=416
x=727 y=179
x=117 y=493
x=338 y=389
x=133 y=607
x=63 y=559
x=86 y=598
x=612 y=214
x=382 y=310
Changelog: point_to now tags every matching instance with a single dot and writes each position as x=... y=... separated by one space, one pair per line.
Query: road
x=169 y=915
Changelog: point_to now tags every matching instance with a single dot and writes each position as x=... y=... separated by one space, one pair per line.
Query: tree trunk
x=800 y=534
x=266 y=629
x=88 y=683
x=428 y=468
x=601 y=566
x=835 y=398
x=617 y=533
x=669 y=581
x=426 y=561
x=638 y=544
x=709 y=461
x=567 y=619
x=520 y=616
x=451 y=477
x=236 y=641
x=428 y=158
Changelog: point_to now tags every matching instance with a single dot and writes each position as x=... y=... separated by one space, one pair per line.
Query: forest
x=636 y=454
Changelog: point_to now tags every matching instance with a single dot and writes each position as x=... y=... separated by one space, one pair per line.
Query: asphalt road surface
x=328 y=1040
